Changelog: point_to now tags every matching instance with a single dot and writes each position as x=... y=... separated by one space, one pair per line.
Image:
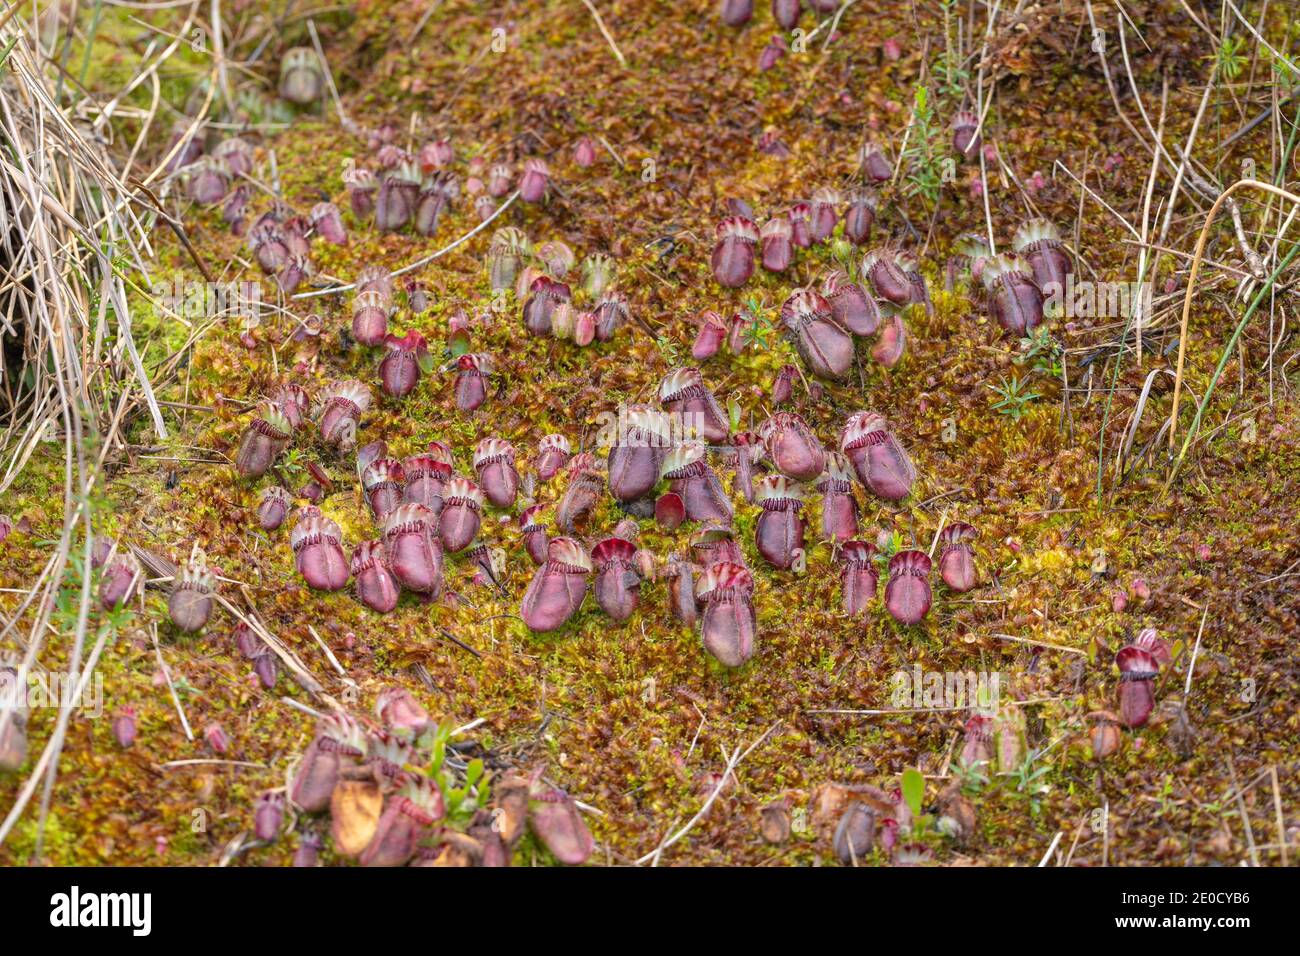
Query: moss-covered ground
x=633 y=719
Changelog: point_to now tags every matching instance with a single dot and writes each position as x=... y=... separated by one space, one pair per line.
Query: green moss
x=578 y=700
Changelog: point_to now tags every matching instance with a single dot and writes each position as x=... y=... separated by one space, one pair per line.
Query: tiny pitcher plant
x=397 y=197
x=715 y=544
x=965 y=135
x=501 y=179
x=736 y=13
x=610 y=313
x=879 y=459
x=681 y=589
x=586 y=485
x=858 y=576
x=410 y=537
x=338 y=412
x=361 y=185
x=436 y=195
x=783 y=384
x=1014 y=299
x=859 y=216
x=792 y=447
x=494 y=463
x=957 y=557
x=839 y=506
x=273 y=507
x=851 y=307
x=779 y=533
x=318 y=550
x=507 y=254
x=553 y=454
x=634 y=462
x=370 y=311
x=889 y=348
x=399 y=372
x=1038 y=243
x=800 y=216
x=670 y=511
x=691 y=478
x=473 y=372
x=119 y=581
x=711 y=332
x=1139 y=665
x=339 y=745
x=618 y=581
x=747 y=455
x=733 y=251
x=376 y=587
x=823 y=213
x=190 y=601
x=407 y=817
x=544 y=296
x=327 y=222
x=875 y=164
x=461 y=517
x=977 y=744
x=684 y=393
x=888 y=276
x=266 y=436
x=907 y=595
x=302 y=77
x=382 y=481
x=533 y=531
x=293 y=403
x=728 y=624
x=556 y=821
x=824 y=346
x=776 y=244
x=426 y=477
x=558 y=587
x=534 y=181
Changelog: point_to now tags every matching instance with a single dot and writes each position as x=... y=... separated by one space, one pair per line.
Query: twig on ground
x=604 y=31
x=733 y=761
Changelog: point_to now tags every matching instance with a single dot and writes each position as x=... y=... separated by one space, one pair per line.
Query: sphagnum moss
x=580 y=699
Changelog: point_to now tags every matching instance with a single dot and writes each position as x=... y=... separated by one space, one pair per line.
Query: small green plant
x=971 y=777
x=925 y=829
x=1286 y=76
x=894 y=545
x=462 y=799
x=913 y=790
x=761 y=331
x=184 y=688
x=1041 y=352
x=1166 y=796
x=924 y=158
x=1030 y=783
x=1013 y=399
x=668 y=351
x=1230 y=58
x=952 y=78
x=67 y=602
x=293 y=464
x=734 y=413
x=845 y=255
